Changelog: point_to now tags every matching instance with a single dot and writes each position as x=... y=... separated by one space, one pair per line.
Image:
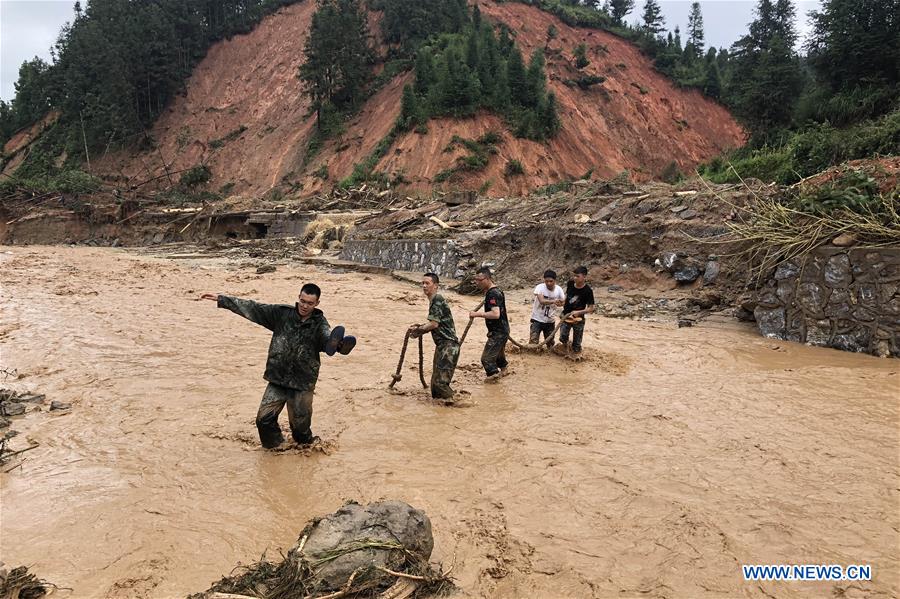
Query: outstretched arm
x=261 y=314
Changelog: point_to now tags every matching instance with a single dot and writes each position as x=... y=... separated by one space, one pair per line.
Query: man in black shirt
x=493 y=358
x=579 y=301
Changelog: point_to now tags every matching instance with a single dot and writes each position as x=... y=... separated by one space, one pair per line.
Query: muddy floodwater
x=655 y=468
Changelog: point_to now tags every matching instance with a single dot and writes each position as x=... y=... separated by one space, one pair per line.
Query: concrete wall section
x=848 y=299
x=438 y=256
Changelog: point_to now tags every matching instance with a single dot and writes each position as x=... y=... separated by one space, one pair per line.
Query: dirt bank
x=244 y=115
x=655 y=468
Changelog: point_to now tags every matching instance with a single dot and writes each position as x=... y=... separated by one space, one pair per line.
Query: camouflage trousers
x=299 y=407
x=446 y=354
x=493 y=358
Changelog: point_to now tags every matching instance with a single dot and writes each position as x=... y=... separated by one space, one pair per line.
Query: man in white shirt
x=548 y=296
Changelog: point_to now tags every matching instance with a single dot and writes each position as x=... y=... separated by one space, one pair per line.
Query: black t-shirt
x=494 y=299
x=578 y=299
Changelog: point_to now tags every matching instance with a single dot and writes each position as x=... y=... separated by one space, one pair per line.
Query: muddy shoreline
x=655 y=468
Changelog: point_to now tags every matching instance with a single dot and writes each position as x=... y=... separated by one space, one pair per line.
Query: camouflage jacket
x=439 y=312
x=293 y=360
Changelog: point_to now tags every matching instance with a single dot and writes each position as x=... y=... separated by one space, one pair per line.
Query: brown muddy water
x=655 y=468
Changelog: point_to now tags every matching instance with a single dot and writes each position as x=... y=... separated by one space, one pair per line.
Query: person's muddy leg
x=549 y=331
x=300 y=416
x=489 y=355
x=577 y=335
x=270 y=407
x=534 y=336
x=564 y=333
x=502 y=363
x=445 y=358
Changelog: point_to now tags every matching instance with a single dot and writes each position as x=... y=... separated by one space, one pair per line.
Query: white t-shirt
x=546 y=313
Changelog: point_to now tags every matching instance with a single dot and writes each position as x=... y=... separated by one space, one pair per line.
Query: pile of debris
x=14 y=404
x=19 y=583
x=380 y=550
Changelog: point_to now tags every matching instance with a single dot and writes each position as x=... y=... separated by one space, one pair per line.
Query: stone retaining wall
x=438 y=256
x=844 y=298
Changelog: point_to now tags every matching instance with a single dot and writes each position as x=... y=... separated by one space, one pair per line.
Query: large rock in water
x=386 y=523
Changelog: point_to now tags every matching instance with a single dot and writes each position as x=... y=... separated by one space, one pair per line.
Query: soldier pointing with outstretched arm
x=299 y=333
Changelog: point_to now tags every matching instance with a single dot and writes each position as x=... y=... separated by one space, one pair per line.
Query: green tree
x=411 y=111
x=516 y=79
x=337 y=55
x=712 y=84
x=695 y=29
x=856 y=43
x=581 y=59
x=620 y=8
x=654 y=22
x=767 y=77
x=536 y=80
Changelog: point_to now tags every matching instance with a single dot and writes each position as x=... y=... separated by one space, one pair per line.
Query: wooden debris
x=439 y=222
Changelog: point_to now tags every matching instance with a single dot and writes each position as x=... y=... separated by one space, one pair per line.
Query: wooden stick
x=12 y=453
x=401 y=574
x=422 y=363
x=468 y=326
x=397 y=376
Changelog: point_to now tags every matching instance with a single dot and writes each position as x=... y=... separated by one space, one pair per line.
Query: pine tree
x=767 y=77
x=695 y=29
x=550 y=116
x=515 y=77
x=856 y=43
x=620 y=8
x=337 y=55
x=411 y=113
x=654 y=22
x=712 y=84
x=581 y=59
x=425 y=76
x=537 y=81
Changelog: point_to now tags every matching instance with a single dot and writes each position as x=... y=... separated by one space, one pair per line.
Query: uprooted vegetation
x=380 y=550
x=19 y=583
x=851 y=205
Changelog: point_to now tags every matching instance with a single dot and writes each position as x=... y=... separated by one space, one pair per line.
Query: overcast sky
x=29 y=27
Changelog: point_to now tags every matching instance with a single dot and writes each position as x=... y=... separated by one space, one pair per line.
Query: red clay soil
x=17 y=147
x=636 y=120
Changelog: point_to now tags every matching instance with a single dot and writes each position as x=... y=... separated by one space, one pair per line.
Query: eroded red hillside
x=245 y=117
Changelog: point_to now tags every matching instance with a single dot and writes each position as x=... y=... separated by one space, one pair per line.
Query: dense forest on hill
x=116 y=66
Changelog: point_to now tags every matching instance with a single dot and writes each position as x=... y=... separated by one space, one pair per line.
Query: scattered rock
x=844 y=240
x=12 y=408
x=688 y=214
x=158 y=238
x=582 y=218
x=711 y=272
x=685 y=322
x=59 y=405
x=32 y=398
x=677 y=209
x=614 y=288
x=385 y=522
x=264 y=269
x=687 y=274
x=354 y=552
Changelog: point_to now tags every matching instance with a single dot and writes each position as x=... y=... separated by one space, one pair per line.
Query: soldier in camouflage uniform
x=299 y=333
x=443 y=333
